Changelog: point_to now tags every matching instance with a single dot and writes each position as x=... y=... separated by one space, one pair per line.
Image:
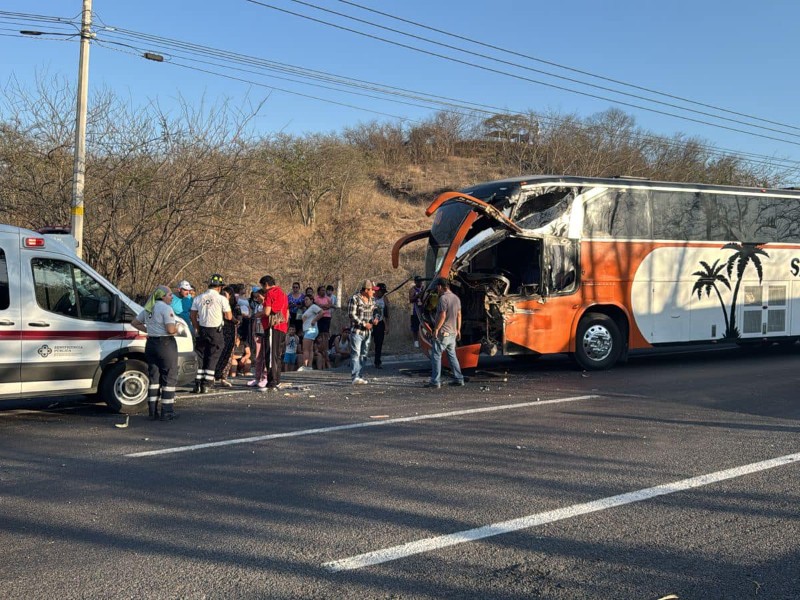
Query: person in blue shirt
x=182 y=303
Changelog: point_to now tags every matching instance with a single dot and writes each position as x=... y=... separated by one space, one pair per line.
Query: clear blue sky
x=730 y=54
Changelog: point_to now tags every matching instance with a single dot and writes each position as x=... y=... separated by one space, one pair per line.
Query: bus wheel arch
x=601 y=338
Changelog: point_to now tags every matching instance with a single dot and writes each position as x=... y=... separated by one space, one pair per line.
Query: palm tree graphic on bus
x=708 y=279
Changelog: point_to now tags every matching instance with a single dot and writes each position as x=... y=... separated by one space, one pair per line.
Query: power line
x=380 y=88
x=271 y=87
x=386 y=90
x=519 y=77
x=565 y=67
x=468 y=111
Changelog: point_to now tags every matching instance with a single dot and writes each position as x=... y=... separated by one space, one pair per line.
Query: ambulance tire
x=598 y=344
x=124 y=386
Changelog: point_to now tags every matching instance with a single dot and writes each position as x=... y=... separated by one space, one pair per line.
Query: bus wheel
x=599 y=343
x=125 y=385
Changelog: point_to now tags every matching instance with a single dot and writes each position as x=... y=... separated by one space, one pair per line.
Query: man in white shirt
x=209 y=311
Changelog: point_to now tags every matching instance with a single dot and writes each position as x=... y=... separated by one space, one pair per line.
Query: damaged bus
x=594 y=267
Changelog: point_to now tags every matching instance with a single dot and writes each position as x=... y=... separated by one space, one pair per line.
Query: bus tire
x=124 y=386
x=598 y=344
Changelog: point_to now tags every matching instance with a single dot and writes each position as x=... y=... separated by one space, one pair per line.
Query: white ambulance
x=64 y=329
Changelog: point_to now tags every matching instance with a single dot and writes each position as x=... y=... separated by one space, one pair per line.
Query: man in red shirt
x=275 y=320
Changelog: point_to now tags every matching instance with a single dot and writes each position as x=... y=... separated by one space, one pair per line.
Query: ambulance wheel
x=125 y=385
x=598 y=344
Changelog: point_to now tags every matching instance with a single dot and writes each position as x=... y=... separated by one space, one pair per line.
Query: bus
x=594 y=267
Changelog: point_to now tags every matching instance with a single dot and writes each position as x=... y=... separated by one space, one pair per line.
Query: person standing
x=312 y=315
x=359 y=309
x=257 y=335
x=296 y=298
x=415 y=300
x=243 y=305
x=290 y=350
x=161 y=350
x=381 y=329
x=446 y=332
x=209 y=312
x=329 y=292
x=275 y=319
x=229 y=329
x=182 y=303
x=324 y=325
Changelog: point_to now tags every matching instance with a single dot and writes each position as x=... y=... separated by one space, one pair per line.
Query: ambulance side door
x=10 y=327
x=68 y=326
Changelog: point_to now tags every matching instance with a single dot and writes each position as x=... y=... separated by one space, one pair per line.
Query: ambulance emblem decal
x=45 y=351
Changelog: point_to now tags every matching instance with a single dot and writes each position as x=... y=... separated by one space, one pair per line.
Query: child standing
x=290 y=350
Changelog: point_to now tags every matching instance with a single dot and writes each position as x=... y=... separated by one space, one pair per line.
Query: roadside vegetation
x=178 y=194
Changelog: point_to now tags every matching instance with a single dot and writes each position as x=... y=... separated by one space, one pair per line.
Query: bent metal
x=594 y=267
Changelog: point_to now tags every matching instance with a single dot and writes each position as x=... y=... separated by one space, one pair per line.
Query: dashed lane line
x=470 y=535
x=382 y=423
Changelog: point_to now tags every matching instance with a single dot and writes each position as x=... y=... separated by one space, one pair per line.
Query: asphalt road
x=328 y=490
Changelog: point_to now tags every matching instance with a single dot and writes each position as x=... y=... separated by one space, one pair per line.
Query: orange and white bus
x=595 y=267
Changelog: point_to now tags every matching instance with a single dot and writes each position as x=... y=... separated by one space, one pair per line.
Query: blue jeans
x=359 y=344
x=446 y=344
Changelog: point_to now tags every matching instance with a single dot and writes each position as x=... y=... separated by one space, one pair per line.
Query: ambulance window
x=5 y=297
x=65 y=289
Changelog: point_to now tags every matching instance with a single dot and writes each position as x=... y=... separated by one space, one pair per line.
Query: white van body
x=65 y=329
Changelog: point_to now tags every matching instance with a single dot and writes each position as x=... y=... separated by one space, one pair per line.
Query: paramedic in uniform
x=158 y=321
x=209 y=311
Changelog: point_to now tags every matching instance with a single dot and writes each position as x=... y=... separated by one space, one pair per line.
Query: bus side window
x=618 y=213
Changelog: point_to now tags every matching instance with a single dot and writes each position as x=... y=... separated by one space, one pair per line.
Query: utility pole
x=79 y=168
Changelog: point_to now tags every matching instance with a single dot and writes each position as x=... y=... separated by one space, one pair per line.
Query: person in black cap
x=381 y=315
x=209 y=312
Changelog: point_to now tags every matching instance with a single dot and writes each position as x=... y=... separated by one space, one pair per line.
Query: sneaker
x=262 y=384
x=457 y=382
x=434 y=386
x=252 y=383
x=300 y=369
x=360 y=381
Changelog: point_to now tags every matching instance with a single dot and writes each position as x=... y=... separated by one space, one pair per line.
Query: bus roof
x=571 y=180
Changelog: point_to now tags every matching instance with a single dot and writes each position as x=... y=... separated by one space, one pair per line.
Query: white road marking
x=427 y=545
x=383 y=423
